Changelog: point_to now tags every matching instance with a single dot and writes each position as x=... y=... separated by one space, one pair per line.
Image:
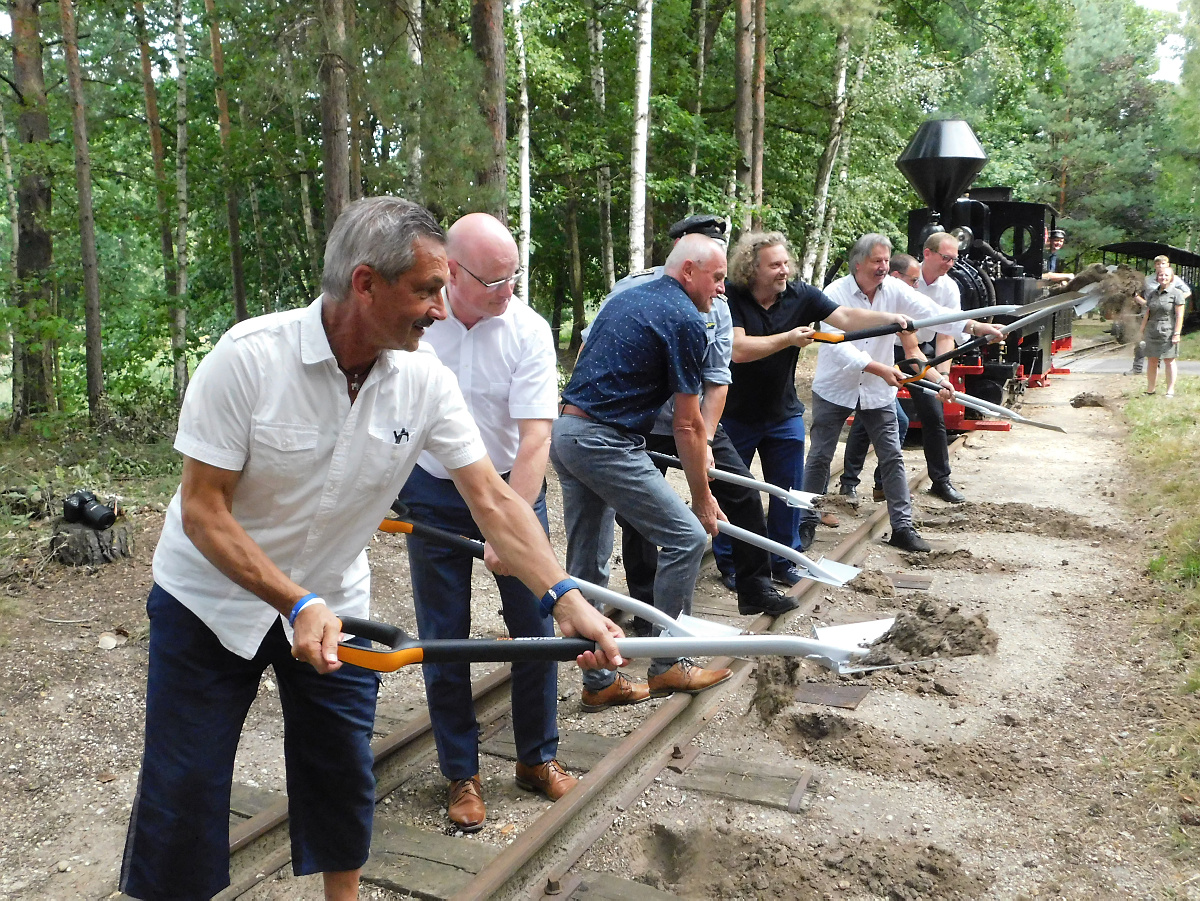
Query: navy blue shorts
x=197 y=697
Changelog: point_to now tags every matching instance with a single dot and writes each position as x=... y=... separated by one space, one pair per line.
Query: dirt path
x=1002 y=776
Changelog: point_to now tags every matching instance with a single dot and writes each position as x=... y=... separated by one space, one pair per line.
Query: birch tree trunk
x=225 y=130
x=260 y=251
x=158 y=155
x=641 y=135
x=487 y=38
x=758 y=131
x=416 y=36
x=843 y=174
x=698 y=107
x=603 y=174
x=87 y=224
x=306 y=211
x=177 y=315
x=576 y=285
x=829 y=155
x=352 y=60
x=335 y=135
x=10 y=189
x=35 y=393
x=743 y=117
x=522 y=147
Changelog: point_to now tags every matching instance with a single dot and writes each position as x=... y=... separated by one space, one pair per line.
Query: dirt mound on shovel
x=932 y=629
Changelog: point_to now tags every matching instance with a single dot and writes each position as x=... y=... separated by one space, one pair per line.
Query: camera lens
x=83 y=507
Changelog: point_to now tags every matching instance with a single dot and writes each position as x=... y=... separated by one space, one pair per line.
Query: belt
x=572 y=410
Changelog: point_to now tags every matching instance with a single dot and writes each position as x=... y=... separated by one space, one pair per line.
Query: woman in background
x=1162 y=324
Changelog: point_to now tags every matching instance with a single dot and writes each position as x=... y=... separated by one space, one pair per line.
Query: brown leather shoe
x=465 y=806
x=687 y=677
x=830 y=520
x=549 y=778
x=623 y=691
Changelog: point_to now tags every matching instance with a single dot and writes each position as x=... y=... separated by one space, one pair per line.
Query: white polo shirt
x=507 y=370
x=944 y=292
x=318 y=474
x=840 y=378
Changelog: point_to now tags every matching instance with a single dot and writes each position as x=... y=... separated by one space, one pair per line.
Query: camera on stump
x=82 y=507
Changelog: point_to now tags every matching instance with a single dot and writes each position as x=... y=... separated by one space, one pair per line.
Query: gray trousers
x=827 y=421
x=601 y=467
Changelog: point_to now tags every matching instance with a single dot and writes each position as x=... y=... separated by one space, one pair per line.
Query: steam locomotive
x=1001 y=243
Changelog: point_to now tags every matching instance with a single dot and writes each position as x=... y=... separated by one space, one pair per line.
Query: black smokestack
x=941 y=161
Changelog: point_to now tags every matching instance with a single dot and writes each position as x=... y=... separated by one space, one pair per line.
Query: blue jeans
x=441 y=579
x=780 y=447
x=197 y=696
x=827 y=422
x=857 y=445
x=601 y=467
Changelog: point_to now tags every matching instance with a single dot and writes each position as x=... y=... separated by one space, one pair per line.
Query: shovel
x=403 y=649
x=683 y=626
x=984 y=406
x=894 y=328
x=830 y=572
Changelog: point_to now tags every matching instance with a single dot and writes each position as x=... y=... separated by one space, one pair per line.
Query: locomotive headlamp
x=965 y=236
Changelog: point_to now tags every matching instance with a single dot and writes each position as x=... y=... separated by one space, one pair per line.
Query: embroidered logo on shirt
x=400 y=436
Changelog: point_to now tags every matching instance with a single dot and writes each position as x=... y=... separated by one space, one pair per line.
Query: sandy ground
x=1000 y=776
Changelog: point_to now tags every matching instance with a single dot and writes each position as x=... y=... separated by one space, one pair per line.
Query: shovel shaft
x=792 y=498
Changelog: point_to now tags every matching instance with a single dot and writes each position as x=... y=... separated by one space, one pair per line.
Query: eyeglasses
x=498 y=283
x=948 y=258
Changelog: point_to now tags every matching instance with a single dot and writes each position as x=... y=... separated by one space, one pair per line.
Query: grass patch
x=1163 y=439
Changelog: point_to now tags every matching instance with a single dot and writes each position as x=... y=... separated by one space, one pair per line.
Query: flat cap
x=1058 y=233
x=713 y=226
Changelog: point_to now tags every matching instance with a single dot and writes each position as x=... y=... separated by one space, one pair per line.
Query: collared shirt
x=764 y=390
x=945 y=293
x=1151 y=284
x=646 y=345
x=318 y=473
x=840 y=378
x=507 y=370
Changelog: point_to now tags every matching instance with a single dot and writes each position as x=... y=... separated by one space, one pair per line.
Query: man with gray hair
x=645 y=347
x=860 y=377
x=297 y=432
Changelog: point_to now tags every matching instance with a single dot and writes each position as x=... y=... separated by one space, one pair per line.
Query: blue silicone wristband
x=300 y=605
x=550 y=598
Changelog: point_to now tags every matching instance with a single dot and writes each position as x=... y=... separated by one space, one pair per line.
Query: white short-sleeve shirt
x=318 y=474
x=840 y=378
x=507 y=370
x=945 y=293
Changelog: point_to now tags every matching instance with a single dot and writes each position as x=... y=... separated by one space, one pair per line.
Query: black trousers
x=742 y=506
x=928 y=408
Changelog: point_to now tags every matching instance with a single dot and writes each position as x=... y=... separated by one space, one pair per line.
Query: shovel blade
x=833 y=572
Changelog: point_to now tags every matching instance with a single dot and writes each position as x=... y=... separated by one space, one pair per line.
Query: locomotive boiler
x=1001 y=245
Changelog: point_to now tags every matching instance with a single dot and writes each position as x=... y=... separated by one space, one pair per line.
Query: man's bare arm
x=692 y=445
x=849 y=319
x=206 y=495
x=748 y=348
x=527 y=475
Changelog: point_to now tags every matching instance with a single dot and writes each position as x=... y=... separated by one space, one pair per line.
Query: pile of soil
x=1089 y=399
x=874 y=583
x=959 y=559
x=1017 y=517
x=932 y=629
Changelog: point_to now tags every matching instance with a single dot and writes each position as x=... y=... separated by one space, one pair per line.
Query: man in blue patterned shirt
x=645 y=347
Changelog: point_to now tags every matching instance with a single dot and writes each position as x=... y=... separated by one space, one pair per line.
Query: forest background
x=171 y=167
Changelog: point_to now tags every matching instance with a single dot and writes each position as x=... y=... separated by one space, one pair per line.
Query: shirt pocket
x=283 y=451
x=383 y=456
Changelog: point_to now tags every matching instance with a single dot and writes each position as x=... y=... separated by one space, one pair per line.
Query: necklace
x=356 y=378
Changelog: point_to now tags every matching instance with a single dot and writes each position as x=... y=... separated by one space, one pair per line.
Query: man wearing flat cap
x=1052 y=271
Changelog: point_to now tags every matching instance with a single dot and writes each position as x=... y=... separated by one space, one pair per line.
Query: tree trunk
x=843 y=175
x=701 y=12
x=522 y=147
x=87 y=223
x=354 y=90
x=416 y=36
x=641 y=135
x=743 y=117
x=560 y=300
x=758 y=131
x=837 y=121
x=603 y=174
x=10 y=189
x=306 y=212
x=231 y=196
x=487 y=38
x=177 y=321
x=156 y=151
x=335 y=104
x=33 y=346
x=577 y=308
x=260 y=253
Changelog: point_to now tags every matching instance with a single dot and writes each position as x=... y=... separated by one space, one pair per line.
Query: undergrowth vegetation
x=1165 y=442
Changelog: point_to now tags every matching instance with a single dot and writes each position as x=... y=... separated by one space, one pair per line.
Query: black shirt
x=765 y=390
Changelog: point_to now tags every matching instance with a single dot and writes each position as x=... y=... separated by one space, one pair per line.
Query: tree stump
x=78 y=545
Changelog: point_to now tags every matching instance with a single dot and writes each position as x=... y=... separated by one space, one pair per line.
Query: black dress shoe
x=808 y=531
x=850 y=492
x=907 y=539
x=729 y=580
x=948 y=493
x=765 y=599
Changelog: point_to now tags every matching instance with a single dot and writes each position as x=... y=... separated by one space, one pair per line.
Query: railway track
x=542 y=860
